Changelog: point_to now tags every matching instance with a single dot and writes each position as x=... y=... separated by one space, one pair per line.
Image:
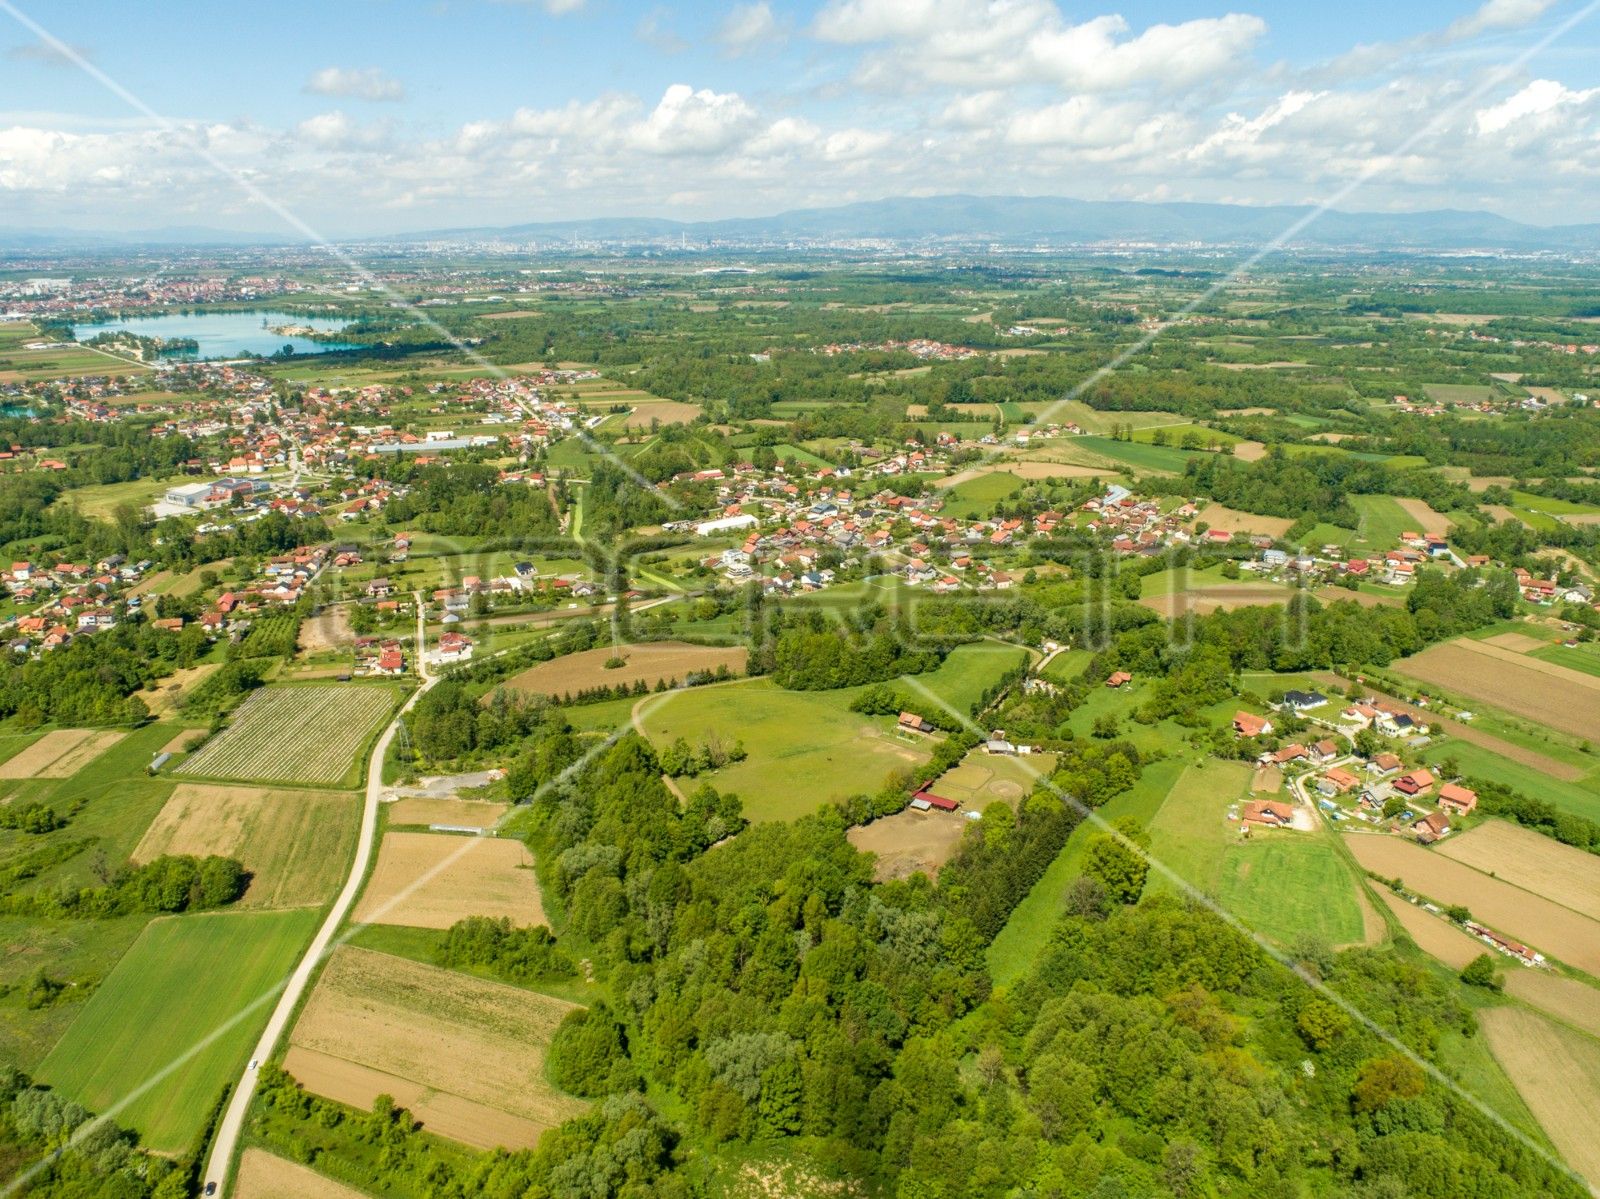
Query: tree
x=1480 y=972
x=1381 y=1081
x=1105 y=726
x=1117 y=863
x=1321 y=1023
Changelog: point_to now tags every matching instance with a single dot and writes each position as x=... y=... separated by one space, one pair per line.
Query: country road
x=226 y=1142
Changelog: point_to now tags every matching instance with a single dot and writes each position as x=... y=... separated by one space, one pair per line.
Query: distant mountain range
x=1007 y=220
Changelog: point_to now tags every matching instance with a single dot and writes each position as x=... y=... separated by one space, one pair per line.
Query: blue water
x=226 y=334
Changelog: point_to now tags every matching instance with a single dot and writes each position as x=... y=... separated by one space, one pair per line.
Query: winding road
x=226 y=1142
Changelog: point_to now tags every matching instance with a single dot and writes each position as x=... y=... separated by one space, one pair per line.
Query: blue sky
x=383 y=115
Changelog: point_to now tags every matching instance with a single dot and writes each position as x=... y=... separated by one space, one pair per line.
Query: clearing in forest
x=431 y=880
x=295 y=734
x=295 y=844
x=910 y=842
x=463 y=1054
x=59 y=754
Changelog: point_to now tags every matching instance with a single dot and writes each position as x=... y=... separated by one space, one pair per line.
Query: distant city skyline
x=382 y=116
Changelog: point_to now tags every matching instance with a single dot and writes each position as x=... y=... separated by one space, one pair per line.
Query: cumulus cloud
x=748 y=27
x=1541 y=106
x=356 y=83
x=995 y=42
x=692 y=122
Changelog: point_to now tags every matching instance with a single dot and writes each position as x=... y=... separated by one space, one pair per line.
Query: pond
x=227 y=334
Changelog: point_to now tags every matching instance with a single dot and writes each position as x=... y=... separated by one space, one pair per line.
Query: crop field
x=294 y=843
x=1140 y=457
x=1202 y=601
x=1553 y=696
x=805 y=747
x=649 y=662
x=431 y=880
x=185 y=978
x=1557 y=1073
x=1434 y=935
x=295 y=734
x=1424 y=518
x=910 y=842
x=1530 y=860
x=651 y=411
x=1234 y=521
x=264 y=1175
x=59 y=754
x=465 y=1055
x=1548 y=927
x=457 y=813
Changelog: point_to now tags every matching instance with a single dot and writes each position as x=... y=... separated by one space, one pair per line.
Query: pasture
x=965 y=674
x=185 y=979
x=1557 y=1073
x=1548 y=695
x=977 y=496
x=465 y=1055
x=296 y=733
x=1530 y=860
x=432 y=880
x=980 y=778
x=805 y=747
x=59 y=754
x=1547 y=926
x=295 y=844
x=649 y=662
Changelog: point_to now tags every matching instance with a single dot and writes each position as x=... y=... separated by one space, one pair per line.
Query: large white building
x=726 y=524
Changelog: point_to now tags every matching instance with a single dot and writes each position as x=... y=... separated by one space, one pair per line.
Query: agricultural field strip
x=1532 y=861
x=294 y=734
x=1517 y=683
x=1557 y=1073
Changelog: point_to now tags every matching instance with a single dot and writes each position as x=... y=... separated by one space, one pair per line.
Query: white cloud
x=357 y=83
x=687 y=121
x=1241 y=137
x=748 y=27
x=1499 y=14
x=987 y=43
x=1539 y=105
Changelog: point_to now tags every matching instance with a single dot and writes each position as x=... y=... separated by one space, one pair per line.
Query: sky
x=350 y=117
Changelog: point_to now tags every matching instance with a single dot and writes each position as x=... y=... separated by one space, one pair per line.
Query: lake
x=226 y=334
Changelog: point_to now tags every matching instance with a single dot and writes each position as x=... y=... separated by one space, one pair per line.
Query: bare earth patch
x=666 y=412
x=1204 y=600
x=1557 y=1072
x=328 y=629
x=465 y=1055
x=1517 y=643
x=430 y=880
x=1234 y=521
x=294 y=843
x=454 y=813
x=649 y=662
x=1549 y=927
x=264 y=1175
x=1543 y=692
x=1531 y=861
x=1250 y=451
x=1268 y=779
x=59 y=754
x=910 y=842
x=1433 y=934
x=1428 y=520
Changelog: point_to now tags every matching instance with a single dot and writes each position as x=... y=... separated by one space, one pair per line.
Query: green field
x=296 y=733
x=976 y=497
x=1290 y=885
x=1550 y=506
x=170 y=1028
x=1066 y=666
x=805 y=748
x=795 y=453
x=1173 y=435
x=967 y=671
x=1581 y=798
x=1584 y=656
x=1140 y=457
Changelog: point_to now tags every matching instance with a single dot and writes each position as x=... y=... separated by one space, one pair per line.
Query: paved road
x=227 y=1138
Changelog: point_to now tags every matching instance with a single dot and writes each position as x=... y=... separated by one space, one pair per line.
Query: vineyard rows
x=295 y=734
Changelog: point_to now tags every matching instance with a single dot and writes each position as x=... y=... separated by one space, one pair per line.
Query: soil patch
x=1518 y=643
x=1557 y=1073
x=910 y=842
x=328 y=629
x=452 y=813
x=1234 y=521
x=429 y=880
x=649 y=662
x=264 y=1175
x=1542 y=692
x=59 y=754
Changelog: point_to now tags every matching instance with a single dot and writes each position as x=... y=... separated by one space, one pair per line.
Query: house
x=913 y=723
x=1384 y=763
x=1118 y=678
x=1289 y=753
x=390 y=661
x=1431 y=827
x=1337 y=781
x=1304 y=701
x=379 y=589
x=1414 y=782
x=1248 y=724
x=1268 y=813
x=1457 y=799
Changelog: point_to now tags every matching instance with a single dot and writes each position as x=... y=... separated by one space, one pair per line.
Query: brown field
x=1582 y=518
x=1249 y=451
x=1366 y=599
x=910 y=842
x=465 y=1055
x=1577 y=1003
x=430 y=880
x=1484 y=482
x=180 y=741
x=1517 y=643
x=1550 y=395
x=1056 y=470
x=1234 y=521
x=294 y=843
x=1549 y=927
x=1245 y=411
x=1428 y=520
x=1557 y=1073
x=1258 y=366
x=1268 y=779
x=460 y=813
x=1531 y=861
x=264 y=1175
x=668 y=412
x=1202 y=601
x=1453 y=318
x=510 y=315
x=650 y=661
x=1433 y=934
x=168 y=692
x=1543 y=692
x=1502 y=514
x=328 y=629
x=59 y=754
